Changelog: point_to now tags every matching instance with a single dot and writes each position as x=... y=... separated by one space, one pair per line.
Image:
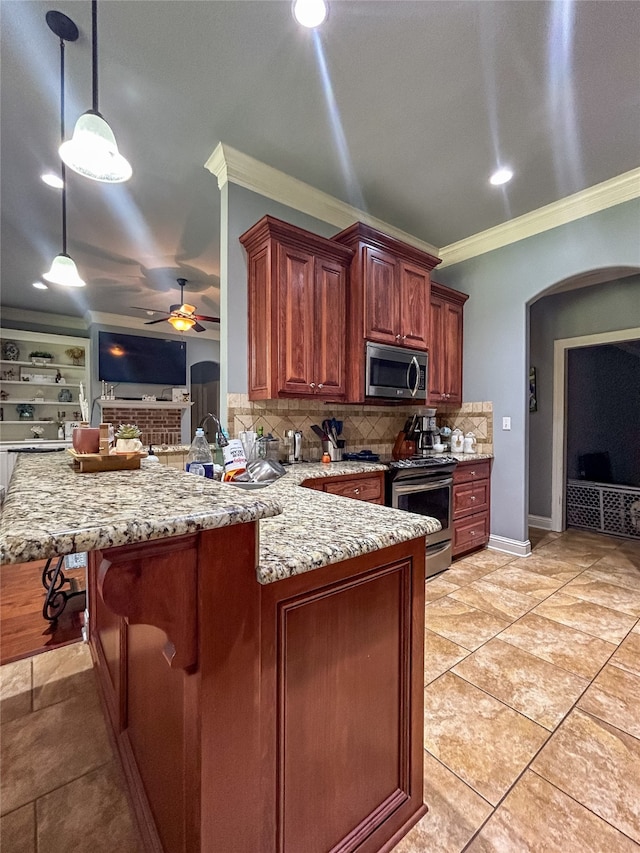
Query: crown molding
x=125 y=322
x=609 y=193
x=42 y=318
x=231 y=166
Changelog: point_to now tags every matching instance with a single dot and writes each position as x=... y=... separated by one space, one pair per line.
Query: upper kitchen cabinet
x=388 y=296
x=445 y=351
x=297 y=292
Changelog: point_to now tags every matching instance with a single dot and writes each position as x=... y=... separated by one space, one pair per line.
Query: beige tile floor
x=532 y=701
x=532 y=720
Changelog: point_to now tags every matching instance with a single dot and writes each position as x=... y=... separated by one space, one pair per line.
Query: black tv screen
x=133 y=358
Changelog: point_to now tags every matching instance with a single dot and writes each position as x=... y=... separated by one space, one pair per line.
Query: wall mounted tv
x=133 y=358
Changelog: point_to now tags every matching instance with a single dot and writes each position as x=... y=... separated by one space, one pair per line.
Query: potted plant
x=128 y=439
x=40 y=357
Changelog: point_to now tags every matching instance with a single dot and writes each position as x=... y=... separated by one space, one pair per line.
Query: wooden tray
x=90 y=463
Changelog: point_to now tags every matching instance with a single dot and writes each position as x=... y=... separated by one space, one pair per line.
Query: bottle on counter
x=200 y=453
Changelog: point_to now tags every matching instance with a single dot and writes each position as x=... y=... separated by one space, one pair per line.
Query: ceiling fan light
x=64 y=272
x=93 y=152
x=182 y=324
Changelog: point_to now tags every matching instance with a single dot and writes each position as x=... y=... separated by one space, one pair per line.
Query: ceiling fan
x=182 y=316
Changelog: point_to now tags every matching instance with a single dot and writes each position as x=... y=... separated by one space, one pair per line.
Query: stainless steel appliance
x=395 y=372
x=428 y=433
x=424 y=485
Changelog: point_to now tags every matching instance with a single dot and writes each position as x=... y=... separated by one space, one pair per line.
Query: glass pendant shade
x=64 y=272
x=182 y=324
x=93 y=152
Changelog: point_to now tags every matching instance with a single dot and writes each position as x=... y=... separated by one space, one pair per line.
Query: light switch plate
x=506 y=423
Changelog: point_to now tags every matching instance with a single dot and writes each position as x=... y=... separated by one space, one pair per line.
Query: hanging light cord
x=63 y=170
x=94 y=50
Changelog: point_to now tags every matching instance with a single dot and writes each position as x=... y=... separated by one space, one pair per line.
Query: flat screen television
x=133 y=358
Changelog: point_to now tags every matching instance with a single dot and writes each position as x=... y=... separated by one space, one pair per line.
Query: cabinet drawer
x=470 y=498
x=362 y=487
x=470 y=533
x=466 y=472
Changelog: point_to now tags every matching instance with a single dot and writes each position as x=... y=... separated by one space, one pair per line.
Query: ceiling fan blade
x=198 y=328
x=208 y=319
x=153 y=322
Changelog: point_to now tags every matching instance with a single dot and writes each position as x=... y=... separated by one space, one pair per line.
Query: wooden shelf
x=50 y=364
x=46 y=384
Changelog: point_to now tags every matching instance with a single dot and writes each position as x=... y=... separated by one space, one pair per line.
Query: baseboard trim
x=540 y=522
x=510 y=546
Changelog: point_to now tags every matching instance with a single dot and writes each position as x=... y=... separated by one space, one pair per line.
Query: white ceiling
x=399 y=108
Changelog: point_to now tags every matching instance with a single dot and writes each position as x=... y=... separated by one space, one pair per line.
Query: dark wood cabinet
x=388 y=297
x=297 y=293
x=277 y=718
x=471 y=505
x=362 y=487
x=445 y=350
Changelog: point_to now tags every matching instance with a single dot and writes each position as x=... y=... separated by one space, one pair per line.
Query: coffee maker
x=427 y=432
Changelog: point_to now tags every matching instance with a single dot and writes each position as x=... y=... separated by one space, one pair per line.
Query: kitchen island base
x=262 y=718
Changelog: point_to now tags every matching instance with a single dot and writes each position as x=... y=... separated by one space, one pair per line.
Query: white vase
x=128 y=445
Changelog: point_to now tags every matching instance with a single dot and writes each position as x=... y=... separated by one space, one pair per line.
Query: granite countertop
x=51 y=510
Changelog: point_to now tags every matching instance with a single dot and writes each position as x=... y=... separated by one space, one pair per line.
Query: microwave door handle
x=413 y=363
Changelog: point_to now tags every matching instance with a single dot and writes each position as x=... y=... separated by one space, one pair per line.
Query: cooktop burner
x=423 y=462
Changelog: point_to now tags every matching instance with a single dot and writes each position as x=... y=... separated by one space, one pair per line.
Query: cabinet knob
x=320 y=385
x=312 y=385
x=404 y=337
x=473 y=474
x=473 y=533
x=356 y=491
x=473 y=497
x=397 y=337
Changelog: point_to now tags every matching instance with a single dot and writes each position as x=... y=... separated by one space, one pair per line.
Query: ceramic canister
x=86 y=439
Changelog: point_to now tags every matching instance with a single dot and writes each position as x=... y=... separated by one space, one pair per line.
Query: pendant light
x=63 y=269
x=92 y=151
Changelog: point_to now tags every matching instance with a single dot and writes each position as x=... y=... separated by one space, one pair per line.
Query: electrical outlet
x=506 y=423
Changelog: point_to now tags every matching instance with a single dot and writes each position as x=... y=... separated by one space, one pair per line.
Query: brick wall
x=158 y=426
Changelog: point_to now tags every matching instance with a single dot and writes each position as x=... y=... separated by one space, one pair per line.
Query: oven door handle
x=424 y=486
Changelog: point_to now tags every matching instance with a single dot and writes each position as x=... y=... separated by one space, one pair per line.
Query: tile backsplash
x=365 y=426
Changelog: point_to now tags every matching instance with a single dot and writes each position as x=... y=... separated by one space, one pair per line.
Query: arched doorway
x=597 y=307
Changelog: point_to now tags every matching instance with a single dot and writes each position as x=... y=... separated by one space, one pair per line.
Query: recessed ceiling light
x=39 y=285
x=52 y=180
x=310 y=13
x=502 y=176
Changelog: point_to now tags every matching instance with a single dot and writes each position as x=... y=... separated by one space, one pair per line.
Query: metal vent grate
x=606 y=508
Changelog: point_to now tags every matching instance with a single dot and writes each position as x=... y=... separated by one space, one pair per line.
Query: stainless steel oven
x=424 y=485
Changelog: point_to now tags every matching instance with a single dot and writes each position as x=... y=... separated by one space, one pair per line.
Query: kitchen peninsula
x=260 y=653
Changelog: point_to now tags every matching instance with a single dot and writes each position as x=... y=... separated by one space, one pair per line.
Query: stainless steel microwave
x=396 y=373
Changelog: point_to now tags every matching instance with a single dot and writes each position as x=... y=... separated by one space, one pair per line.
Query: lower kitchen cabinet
x=361 y=487
x=471 y=505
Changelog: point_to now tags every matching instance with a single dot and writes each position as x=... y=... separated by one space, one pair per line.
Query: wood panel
x=445 y=344
x=452 y=337
x=470 y=533
x=342 y=689
x=295 y=340
x=363 y=487
x=331 y=328
x=472 y=469
x=414 y=306
x=261 y=354
x=471 y=499
x=381 y=301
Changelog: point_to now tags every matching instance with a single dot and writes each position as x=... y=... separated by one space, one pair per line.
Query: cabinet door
x=414 y=306
x=452 y=335
x=296 y=321
x=437 y=355
x=329 y=370
x=381 y=297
